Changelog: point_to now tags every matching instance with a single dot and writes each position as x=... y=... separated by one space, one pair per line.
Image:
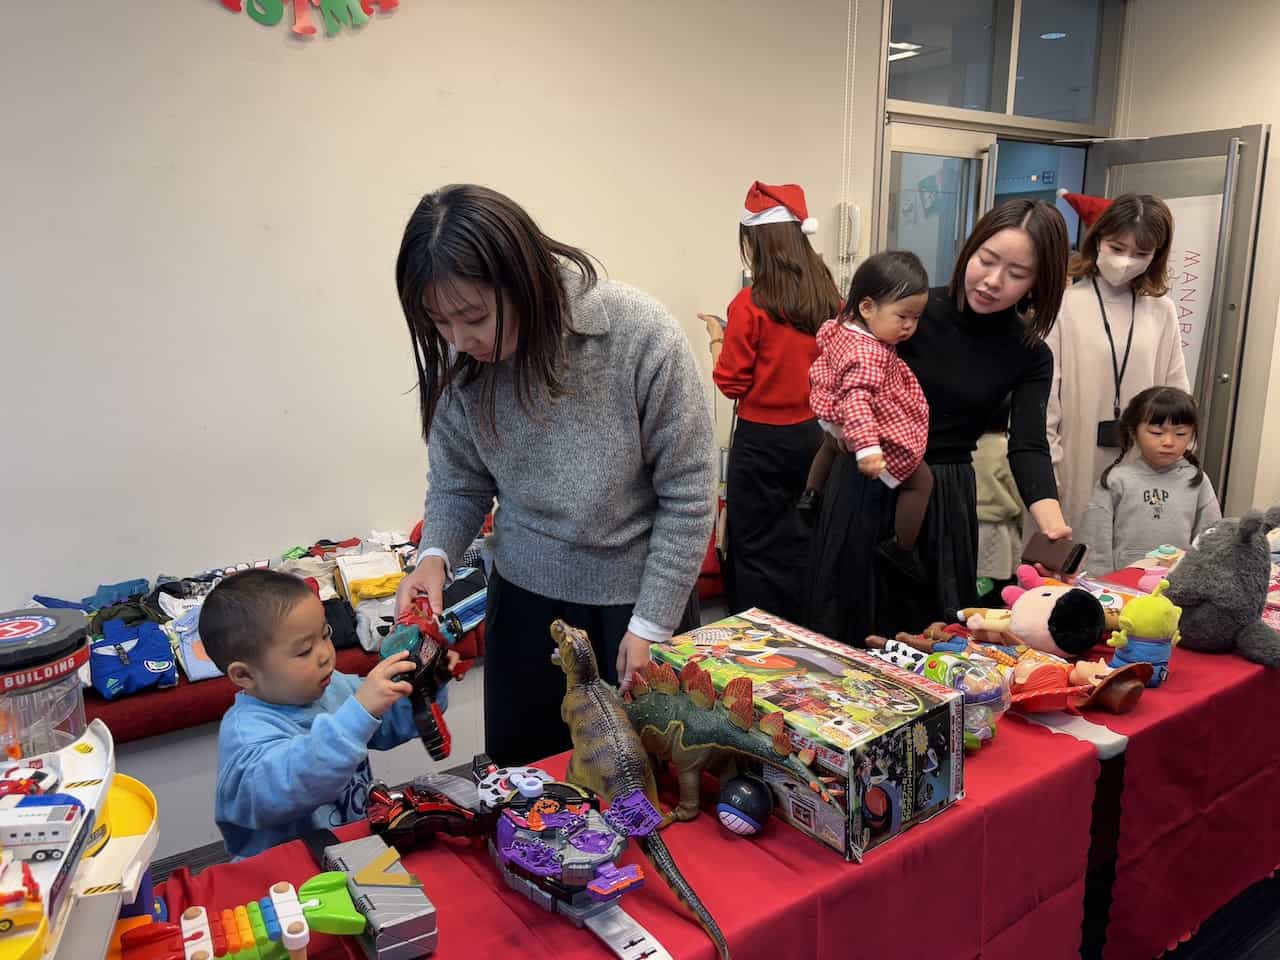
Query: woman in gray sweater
x=577 y=404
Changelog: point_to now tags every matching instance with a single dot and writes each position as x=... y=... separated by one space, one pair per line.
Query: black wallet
x=1059 y=556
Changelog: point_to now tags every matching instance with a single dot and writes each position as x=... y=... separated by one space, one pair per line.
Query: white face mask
x=1118 y=270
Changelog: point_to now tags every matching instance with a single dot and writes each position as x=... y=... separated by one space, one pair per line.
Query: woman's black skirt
x=851 y=593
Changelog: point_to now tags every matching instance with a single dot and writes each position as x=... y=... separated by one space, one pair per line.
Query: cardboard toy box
x=892 y=738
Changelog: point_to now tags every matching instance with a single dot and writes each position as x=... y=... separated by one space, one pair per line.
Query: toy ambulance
x=38 y=831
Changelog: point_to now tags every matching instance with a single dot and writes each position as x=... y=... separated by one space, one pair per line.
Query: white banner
x=1192 y=259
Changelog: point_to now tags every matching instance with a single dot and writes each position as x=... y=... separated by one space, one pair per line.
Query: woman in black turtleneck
x=980 y=342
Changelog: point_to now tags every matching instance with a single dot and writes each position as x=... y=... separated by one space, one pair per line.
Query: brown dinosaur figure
x=682 y=721
x=609 y=758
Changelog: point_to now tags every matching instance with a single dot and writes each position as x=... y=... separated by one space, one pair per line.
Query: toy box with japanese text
x=891 y=739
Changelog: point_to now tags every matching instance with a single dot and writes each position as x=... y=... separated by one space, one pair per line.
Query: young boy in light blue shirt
x=293 y=750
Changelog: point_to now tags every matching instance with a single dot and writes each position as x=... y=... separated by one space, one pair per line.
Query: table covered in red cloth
x=1200 y=808
x=998 y=876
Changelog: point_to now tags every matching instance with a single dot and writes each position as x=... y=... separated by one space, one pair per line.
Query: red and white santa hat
x=1089 y=208
x=784 y=203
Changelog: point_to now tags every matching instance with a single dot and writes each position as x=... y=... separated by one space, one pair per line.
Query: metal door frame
x=906 y=137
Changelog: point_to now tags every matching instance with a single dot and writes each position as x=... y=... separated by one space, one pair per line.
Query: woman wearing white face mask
x=1117 y=335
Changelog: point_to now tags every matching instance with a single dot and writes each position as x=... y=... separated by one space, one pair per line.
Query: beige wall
x=1194 y=65
x=204 y=356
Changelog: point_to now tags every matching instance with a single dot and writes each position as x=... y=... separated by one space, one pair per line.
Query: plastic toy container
x=41 y=700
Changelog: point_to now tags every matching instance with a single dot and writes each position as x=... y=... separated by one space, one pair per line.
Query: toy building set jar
x=893 y=738
x=41 y=701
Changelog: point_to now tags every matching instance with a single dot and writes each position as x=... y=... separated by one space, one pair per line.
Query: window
x=951 y=55
x=1058 y=53
x=957 y=54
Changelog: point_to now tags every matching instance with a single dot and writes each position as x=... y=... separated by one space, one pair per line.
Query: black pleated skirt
x=852 y=594
x=768 y=552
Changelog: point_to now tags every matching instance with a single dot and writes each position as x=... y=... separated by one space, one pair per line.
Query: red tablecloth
x=1200 y=817
x=1000 y=875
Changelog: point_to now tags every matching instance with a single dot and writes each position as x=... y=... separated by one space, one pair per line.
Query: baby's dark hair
x=1159 y=405
x=242 y=613
x=885 y=277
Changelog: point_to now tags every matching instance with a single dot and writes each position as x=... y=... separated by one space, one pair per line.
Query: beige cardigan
x=1084 y=383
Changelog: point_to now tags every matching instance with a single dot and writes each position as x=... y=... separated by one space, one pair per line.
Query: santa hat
x=767 y=203
x=1089 y=208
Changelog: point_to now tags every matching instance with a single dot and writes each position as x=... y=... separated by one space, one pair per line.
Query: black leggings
x=522 y=687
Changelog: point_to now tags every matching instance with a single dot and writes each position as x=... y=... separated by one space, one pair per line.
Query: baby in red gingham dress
x=865 y=395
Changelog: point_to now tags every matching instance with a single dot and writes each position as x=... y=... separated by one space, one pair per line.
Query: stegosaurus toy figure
x=1148 y=633
x=681 y=720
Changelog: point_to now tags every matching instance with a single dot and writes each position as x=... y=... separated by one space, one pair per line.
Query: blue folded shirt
x=128 y=659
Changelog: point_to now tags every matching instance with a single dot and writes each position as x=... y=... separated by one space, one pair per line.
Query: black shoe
x=809 y=505
x=906 y=562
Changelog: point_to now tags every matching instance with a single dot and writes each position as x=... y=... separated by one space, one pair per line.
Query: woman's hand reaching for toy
x=714 y=325
x=632 y=655
x=382 y=688
x=427 y=579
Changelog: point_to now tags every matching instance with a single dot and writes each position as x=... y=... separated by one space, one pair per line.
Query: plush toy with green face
x=1148 y=631
x=1153 y=617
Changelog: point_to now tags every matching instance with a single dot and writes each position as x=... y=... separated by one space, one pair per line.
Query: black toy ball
x=745 y=805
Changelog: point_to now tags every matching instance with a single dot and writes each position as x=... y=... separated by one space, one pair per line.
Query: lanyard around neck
x=1118 y=367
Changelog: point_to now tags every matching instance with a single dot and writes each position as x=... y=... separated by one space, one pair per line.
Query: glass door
x=935 y=183
x=1212 y=181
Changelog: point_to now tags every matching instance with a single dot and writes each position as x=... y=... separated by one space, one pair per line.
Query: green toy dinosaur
x=1148 y=632
x=609 y=758
x=681 y=721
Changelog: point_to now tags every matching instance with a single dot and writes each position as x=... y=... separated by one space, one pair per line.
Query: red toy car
x=33 y=782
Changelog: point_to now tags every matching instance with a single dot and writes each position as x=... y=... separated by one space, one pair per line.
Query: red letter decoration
x=302 y=24
x=232 y=5
x=336 y=13
x=386 y=6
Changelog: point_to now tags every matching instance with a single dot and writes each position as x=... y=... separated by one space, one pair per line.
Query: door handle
x=990 y=157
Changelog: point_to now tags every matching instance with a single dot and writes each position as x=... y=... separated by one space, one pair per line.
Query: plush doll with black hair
x=1221 y=586
x=1046 y=615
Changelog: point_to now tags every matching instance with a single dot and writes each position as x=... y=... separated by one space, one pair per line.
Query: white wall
x=1197 y=65
x=204 y=357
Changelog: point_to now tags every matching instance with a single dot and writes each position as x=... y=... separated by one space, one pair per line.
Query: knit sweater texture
x=607 y=493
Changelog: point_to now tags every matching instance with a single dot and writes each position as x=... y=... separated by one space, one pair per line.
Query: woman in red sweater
x=768 y=347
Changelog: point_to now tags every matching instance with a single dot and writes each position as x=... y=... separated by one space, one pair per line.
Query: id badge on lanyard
x=1109 y=430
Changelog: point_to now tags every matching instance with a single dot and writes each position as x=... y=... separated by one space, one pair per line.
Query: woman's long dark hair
x=885 y=277
x=469 y=232
x=789 y=281
x=1159 y=405
x=1048 y=232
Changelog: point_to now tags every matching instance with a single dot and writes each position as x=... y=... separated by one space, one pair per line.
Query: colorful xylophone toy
x=276 y=927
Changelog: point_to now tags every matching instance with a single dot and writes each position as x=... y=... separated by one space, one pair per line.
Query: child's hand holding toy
x=381 y=690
